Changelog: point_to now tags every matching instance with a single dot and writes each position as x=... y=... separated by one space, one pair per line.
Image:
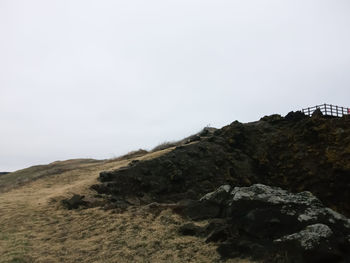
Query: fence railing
x=328 y=109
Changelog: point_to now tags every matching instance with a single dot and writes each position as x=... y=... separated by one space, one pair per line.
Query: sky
x=97 y=79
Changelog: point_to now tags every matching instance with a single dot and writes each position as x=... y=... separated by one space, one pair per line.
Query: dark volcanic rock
x=197 y=210
x=297 y=153
x=190 y=229
x=295 y=116
x=186 y=172
x=74 y=202
x=317 y=113
x=261 y=221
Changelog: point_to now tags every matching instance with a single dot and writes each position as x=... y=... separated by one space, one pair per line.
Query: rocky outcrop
x=309 y=157
x=79 y=201
x=270 y=224
x=295 y=152
x=186 y=172
x=74 y=202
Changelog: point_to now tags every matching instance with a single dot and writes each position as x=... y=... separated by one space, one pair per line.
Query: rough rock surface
x=80 y=201
x=295 y=152
x=74 y=202
x=268 y=222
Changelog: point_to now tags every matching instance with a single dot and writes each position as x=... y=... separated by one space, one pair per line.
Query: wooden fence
x=328 y=109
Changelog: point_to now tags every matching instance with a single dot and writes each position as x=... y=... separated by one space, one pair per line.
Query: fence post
x=331 y=110
x=308 y=111
x=325 y=109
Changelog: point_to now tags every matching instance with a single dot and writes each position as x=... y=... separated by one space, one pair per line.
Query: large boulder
x=262 y=221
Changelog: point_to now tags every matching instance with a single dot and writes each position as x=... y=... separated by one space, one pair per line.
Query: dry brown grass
x=20 y=177
x=35 y=228
x=129 y=155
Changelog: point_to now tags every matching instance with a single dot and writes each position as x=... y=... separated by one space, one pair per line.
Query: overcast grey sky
x=100 y=78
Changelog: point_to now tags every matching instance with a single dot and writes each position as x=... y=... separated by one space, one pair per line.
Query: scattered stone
x=74 y=202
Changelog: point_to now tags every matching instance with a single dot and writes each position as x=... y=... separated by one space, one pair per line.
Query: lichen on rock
x=261 y=220
x=310 y=237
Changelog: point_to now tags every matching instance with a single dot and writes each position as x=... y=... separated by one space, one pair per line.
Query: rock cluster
x=74 y=202
x=295 y=152
x=79 y=201
x=270 y=224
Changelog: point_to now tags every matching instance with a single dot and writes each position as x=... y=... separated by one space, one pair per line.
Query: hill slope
x=124 y=225
x=34 y=227
x=12 y=180
x=296 y=153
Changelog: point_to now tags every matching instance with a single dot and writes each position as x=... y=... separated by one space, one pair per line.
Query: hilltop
x=148 y=206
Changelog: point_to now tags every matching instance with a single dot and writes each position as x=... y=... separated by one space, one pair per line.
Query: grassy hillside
x=296 y=153
x=34 y=227
x=17 y=178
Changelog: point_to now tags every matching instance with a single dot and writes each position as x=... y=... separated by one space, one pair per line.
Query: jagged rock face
x=268 y=222
x=186 y=172
x=296 y=153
